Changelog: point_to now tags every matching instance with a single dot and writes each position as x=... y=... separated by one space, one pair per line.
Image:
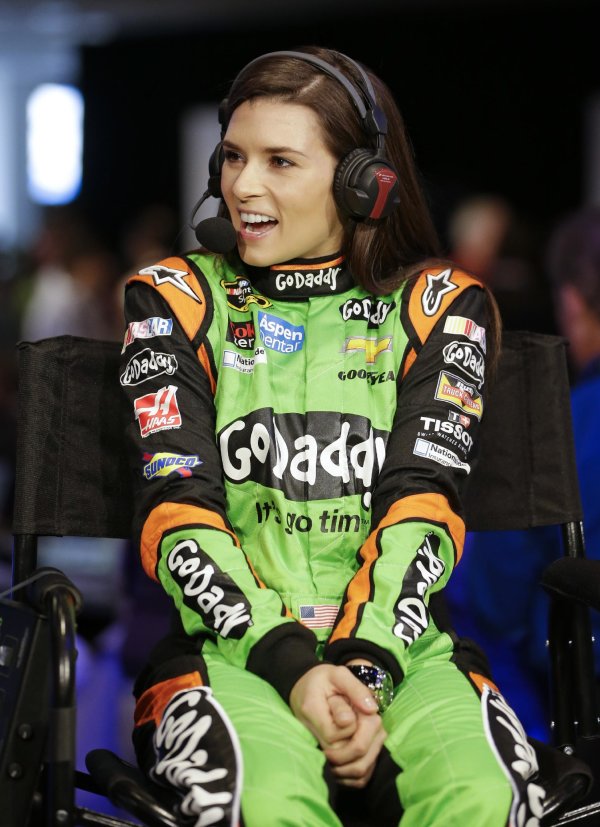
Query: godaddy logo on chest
x=312 y=456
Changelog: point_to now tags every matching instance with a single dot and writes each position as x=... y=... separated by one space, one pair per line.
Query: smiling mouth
x=256 y=224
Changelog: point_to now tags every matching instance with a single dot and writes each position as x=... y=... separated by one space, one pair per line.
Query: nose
x=249 y=181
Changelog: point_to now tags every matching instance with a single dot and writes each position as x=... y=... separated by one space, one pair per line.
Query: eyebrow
x=269 y=150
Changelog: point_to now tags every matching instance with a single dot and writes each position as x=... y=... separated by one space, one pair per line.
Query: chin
x=256 y=258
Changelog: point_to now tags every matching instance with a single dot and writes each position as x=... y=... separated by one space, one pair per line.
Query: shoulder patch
x=432 y=294
x=174 y=279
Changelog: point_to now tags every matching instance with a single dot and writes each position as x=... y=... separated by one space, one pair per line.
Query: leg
x=230 y=740
x=462 y=755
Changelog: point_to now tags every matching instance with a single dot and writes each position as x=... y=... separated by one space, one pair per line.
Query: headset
x=365 y=184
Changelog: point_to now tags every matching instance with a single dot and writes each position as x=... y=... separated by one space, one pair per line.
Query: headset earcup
x=215 y=162
x=365 y=185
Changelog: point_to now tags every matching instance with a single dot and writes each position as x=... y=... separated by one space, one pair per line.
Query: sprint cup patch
x=516 y=756
x=461 y=394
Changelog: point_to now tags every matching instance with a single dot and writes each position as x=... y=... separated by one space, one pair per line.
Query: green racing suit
x=299 y=448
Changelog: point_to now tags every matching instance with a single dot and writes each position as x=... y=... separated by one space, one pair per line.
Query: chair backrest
x=73 y=478
x=526 y=475
x=72 y=475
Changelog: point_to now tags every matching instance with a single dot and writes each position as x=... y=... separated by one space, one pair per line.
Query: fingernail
x=370 y=702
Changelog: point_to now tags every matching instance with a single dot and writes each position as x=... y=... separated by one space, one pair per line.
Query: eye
x=231 y=156
x=280 y=162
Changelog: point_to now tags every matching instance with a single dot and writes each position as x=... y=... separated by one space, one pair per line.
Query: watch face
x=378 y=681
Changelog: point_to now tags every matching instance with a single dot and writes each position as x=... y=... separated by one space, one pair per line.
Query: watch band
x=377 y=680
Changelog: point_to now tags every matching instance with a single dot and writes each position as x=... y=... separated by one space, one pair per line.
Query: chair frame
x=51 y=504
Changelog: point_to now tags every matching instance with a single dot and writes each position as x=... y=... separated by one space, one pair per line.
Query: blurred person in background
x=495 y=597
x=487 y=236
x=72 y=283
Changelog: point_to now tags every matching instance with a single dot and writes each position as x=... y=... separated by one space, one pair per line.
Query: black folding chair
x=73 y=480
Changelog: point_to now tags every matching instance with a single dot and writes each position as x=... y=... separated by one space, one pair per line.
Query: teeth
x=254 y=218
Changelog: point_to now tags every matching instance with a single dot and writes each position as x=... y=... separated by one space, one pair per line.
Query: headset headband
x=371 y=115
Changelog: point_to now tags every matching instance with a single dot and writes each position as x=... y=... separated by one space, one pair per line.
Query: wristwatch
x=377 y=680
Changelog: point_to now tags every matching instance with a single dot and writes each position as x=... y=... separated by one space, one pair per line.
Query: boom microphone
x=216 y=234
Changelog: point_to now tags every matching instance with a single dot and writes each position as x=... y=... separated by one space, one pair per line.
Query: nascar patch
x=147 y=329
x=460 y=325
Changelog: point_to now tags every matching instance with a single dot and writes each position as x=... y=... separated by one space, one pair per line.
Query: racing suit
x=299 y=448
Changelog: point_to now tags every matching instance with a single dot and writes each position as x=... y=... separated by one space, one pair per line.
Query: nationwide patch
x=371 y=345
x=157 y=411
x=461 y=394
x=162 y=464
x=444 y=456
x=240 y=295
x=243 y=364
x=277 y=334
x=168 y=275
x=437 y=287
x=148 y=364
x=461 y=326
x=147 y=329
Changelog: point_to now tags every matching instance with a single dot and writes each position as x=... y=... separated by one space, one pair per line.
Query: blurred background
x=107 y=120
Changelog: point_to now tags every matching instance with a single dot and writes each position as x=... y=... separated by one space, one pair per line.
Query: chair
x=72 y=480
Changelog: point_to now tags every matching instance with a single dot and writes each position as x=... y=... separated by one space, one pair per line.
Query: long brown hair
x=379 y=253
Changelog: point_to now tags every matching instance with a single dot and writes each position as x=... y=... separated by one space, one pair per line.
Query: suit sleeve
x=419 y=530
x=185 y=538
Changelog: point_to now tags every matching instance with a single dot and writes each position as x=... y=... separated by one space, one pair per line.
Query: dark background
x=494 y=100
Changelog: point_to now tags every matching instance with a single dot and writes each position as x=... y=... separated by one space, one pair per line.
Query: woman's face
x=277 y=183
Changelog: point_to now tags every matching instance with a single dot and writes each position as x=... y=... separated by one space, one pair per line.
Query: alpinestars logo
x=198 y=752
x=437 y=287
x=315 y=456
x=167 y=275
x=411 y=612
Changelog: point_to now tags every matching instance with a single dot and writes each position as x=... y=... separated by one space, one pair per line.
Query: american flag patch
x=318 y=617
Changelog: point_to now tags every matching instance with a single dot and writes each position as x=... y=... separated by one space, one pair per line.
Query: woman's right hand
x=342 y=714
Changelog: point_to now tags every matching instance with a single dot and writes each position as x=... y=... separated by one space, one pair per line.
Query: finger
x=358 y=772
x=369 y=732
x=343 y=715
x=357 y=693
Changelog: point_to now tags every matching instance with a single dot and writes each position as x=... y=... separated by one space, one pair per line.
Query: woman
x=305 y=411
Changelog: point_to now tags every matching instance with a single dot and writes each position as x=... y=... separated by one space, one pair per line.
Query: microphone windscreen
x=216 y=234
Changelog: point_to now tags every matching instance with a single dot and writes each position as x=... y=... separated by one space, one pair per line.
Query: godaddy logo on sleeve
x=314 y=456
